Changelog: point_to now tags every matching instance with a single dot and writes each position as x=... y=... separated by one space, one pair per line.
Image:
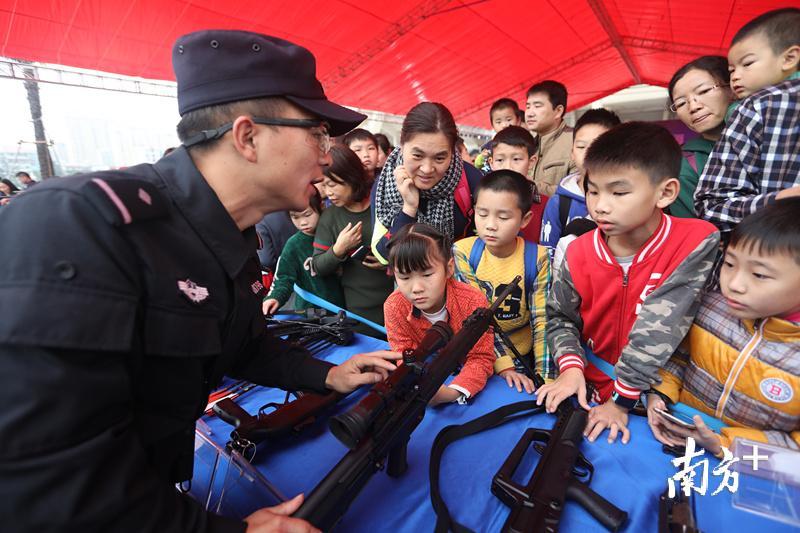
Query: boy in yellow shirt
x=494 y=258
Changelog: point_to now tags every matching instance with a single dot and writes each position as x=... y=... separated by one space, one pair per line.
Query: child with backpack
x=493 y=259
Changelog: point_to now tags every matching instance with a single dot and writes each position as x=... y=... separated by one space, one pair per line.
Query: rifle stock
x=381 y=424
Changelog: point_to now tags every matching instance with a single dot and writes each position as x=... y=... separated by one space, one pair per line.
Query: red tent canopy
x=388 y=56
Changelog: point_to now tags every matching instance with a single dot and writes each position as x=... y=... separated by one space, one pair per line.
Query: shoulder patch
x=125 y=201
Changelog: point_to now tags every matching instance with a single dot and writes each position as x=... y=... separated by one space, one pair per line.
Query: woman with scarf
x=424 y=180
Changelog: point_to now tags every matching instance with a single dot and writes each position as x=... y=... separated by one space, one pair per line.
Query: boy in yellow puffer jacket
x=740 y=361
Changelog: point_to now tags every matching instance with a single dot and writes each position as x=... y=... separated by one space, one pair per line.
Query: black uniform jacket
x=125 y=296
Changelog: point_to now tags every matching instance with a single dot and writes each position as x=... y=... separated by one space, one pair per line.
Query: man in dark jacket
x=125 y=296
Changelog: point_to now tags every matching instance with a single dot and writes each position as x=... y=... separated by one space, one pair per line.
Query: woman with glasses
x=699 y=95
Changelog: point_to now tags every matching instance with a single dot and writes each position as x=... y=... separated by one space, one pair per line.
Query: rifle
x=562 y=472
x=315 y=333
x=289 y=417
x=380 y=425
x=676 y=515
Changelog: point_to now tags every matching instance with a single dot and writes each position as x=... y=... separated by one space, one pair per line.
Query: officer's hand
x=361 y=369
x=270 y=305
x=277 y=520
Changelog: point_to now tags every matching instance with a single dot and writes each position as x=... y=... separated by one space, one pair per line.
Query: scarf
x=435 y=204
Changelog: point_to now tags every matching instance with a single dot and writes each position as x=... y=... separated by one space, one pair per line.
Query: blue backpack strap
x=531 y=266
x=475 y=253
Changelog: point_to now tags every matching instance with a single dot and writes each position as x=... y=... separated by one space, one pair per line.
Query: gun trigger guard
x=583 y=469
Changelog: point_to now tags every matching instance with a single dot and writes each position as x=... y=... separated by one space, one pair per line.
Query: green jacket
x=697 y=149
x=294 y=266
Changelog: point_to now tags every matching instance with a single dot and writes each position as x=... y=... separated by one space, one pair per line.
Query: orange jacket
x=405 y=327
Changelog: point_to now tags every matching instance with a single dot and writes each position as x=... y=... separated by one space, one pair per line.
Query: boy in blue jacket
x=569 y=202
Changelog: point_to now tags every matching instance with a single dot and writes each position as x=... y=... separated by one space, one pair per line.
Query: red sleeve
x=399 y=331
x=479 y=365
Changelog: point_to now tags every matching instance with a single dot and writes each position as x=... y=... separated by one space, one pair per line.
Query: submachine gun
x=380 y=425
x=562 y=473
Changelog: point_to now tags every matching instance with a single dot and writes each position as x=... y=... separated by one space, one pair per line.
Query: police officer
x=125 y=296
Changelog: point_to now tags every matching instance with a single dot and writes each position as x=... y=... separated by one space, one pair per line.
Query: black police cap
x=220 y=66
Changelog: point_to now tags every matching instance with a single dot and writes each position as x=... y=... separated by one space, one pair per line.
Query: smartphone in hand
x=676 y=418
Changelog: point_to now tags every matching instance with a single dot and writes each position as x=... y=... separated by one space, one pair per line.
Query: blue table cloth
x=631 y=476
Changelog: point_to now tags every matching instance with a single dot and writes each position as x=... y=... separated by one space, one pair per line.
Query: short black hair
x=716 y=66
x=643 y=146
x=774 y=229
x=508 y=181
x=517 y=136
x=212 y=117
x=383 y=143
x=315 y=202
x=11 y=186
x=346 y=168
x=359 y=134
x=415 y=245
x=556 y=92
x=601 y=116
x=781 y=27
x=22 y=173
x=503 y=103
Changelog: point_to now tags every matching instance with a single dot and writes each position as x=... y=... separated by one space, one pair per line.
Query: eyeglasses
x=321 y=136
x=681 y=103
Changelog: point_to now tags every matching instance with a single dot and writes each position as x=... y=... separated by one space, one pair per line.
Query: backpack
x=464 y=197
x=564 y=203
x=531 y=266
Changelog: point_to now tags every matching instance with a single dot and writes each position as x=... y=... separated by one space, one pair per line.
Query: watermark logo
x=694 y=476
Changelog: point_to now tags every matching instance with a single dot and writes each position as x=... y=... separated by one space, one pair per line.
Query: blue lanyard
x=324 y=304
x=608 y=369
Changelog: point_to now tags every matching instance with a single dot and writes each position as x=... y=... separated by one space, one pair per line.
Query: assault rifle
x=380 y=425
x=561 y=473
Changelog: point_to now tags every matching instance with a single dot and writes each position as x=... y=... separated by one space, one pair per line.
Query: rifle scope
x=351 y=426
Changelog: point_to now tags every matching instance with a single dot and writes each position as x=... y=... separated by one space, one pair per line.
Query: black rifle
x=380 y=425
x=676 y=515
x=561 y=473
x=289 y=417
x=315 y=333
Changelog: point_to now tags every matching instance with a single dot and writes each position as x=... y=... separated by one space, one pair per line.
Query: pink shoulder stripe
x=126 y=215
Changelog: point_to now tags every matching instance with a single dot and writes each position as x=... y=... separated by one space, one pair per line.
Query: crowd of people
x=658 y=214
x=653 y=273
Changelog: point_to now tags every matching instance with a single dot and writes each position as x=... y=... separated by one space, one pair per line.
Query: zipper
x=621 y=313
x=737 y=367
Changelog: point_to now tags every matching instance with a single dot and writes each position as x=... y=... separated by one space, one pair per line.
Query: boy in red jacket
x=627 y=291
